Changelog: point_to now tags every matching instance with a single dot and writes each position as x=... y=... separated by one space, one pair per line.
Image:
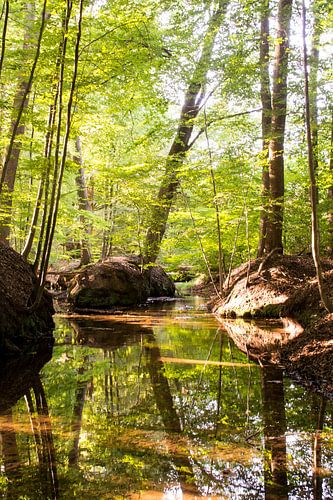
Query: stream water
x=159 y=403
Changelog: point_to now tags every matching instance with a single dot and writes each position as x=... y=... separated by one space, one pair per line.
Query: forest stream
x=160 y=403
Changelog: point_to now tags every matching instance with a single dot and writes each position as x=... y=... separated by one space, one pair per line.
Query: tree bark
x=109 y=218
x=181 y=143
x=8 y=174
x=313 y=83
x=315 y=234
x=4 y=33
x=276 y=144
x=266 y=118
x=60 y=162
x=330 y=197
x=84 y=205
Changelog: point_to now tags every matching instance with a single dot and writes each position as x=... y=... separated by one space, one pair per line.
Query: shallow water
x=160 y=404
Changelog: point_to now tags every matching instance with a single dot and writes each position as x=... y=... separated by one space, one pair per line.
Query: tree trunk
x=276 y=144
x=4 y=33
x=315 y=234
x=84 y=205
x=60 y=162
x=313 y=83
x=109 y=217
x=181 y=143
x=8 y=174
x=266 y=118
x=330 y=198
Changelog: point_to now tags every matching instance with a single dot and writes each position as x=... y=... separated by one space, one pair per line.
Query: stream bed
x=160 y=403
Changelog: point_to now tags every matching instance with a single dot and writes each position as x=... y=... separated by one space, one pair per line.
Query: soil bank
x=283 y=286
x=22 y=327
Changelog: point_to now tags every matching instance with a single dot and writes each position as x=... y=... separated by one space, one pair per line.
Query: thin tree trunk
x=313 y=83
x=266 y=118
x=50 y=200
x=193 y=100
x=44 y=186
x=4 y=33
x=222 y=269
x=276 y=144
x=315 y=235
x=84 y=205
x=60 y=166
x=44 y=181
x=8 y=174
x=330 y=198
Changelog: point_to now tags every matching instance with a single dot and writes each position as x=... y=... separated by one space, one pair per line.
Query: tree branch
x=210 y=122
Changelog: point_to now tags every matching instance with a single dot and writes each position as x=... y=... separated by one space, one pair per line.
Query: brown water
x=159 y=404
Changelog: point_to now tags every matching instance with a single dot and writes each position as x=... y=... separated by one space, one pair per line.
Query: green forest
x=144 y=143
x=180 y=131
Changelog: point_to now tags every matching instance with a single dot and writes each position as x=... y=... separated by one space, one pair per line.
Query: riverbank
x=284 y=287
x=23 y=327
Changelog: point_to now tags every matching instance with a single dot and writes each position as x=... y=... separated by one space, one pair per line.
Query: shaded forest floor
x=283 y=287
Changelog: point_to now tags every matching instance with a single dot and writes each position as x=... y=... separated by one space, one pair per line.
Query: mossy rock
x=118 y=282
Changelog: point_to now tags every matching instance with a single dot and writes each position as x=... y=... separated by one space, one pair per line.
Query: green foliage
x=136 y=59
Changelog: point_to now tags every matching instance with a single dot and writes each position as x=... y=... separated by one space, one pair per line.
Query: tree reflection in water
x=21 y=379
x=275 y=426
x=146 y=406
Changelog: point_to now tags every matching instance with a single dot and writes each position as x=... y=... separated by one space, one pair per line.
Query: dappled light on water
x=161 y=404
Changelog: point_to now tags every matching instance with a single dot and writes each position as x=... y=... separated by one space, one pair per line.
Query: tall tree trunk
x=222 y=268
x=266 y=118
x=330 y=195
x=60 y=161
x=181 y=143
x=276 y=144
x=84 y=205
x=4 y=33
x=8 y=174
x=44 y=186
x=43 y=189
x=315 y=235
x=313 y=83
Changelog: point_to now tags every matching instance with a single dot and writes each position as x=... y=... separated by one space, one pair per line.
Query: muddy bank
x=306 y=355
x=309 y=356
x=283 y=287
x=22 y=328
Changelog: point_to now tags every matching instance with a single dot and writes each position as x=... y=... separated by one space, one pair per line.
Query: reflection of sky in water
x=165 y=406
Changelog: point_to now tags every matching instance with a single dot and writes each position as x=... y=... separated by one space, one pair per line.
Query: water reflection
x=20 y=379
x=161 y=406
x=275 y=427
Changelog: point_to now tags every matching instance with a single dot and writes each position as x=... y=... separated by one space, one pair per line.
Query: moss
x=102 y=299
x=271 y=311
x=247 y=315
